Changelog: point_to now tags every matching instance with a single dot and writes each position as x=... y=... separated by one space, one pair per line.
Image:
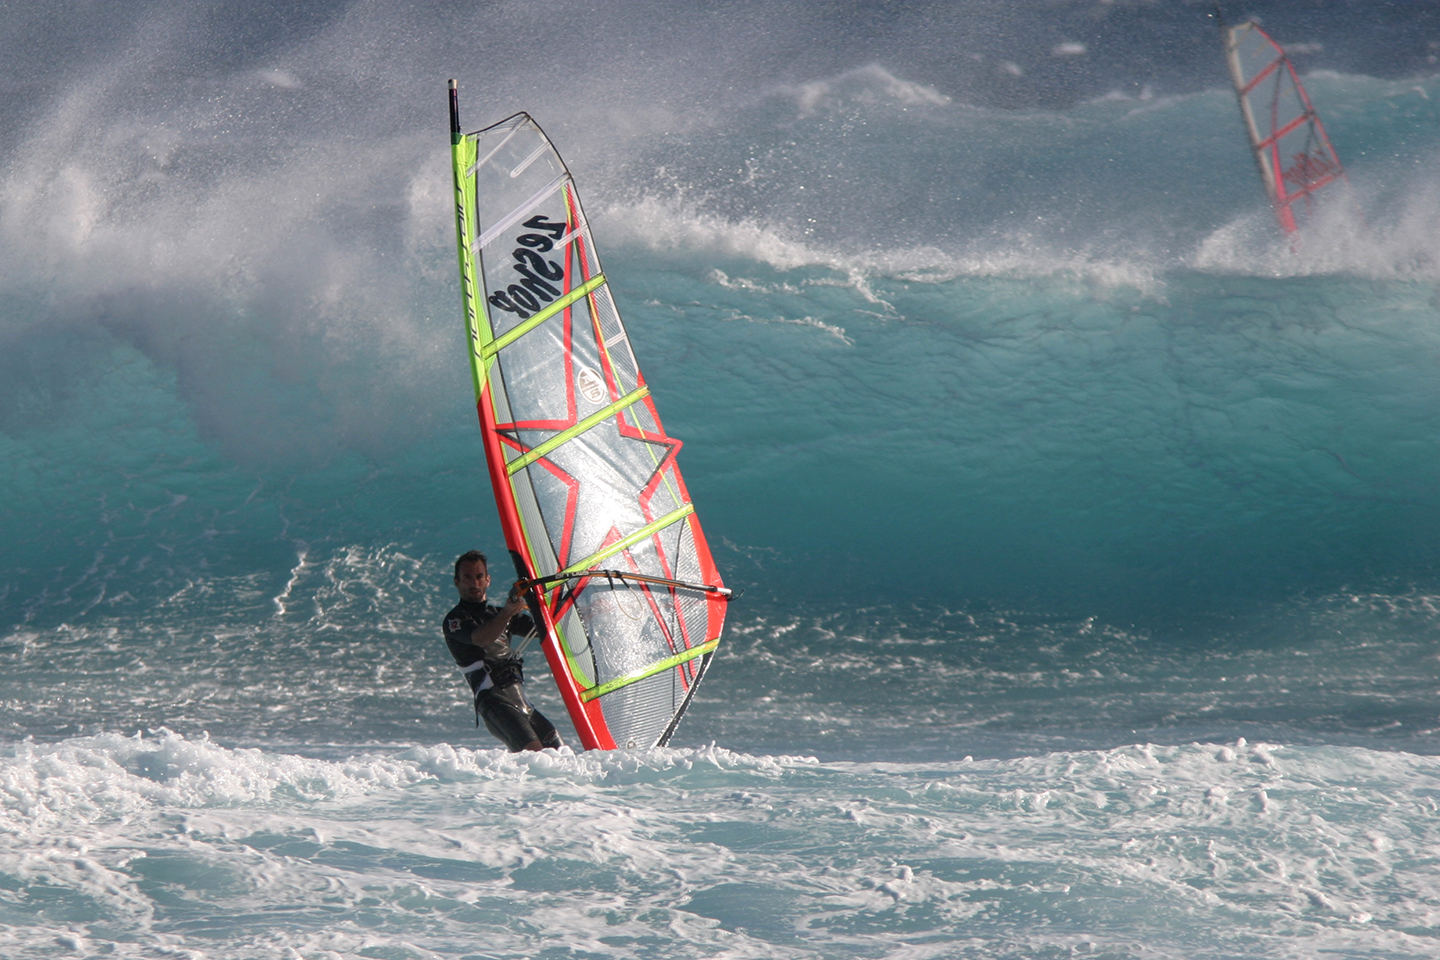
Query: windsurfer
x=478 y=635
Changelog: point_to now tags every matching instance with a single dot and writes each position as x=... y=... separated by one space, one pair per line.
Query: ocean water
x=1088 y=530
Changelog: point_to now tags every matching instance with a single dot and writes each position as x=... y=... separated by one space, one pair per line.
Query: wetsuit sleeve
x=458 y=628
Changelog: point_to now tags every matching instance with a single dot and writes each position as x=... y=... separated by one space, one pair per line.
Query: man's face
x=472 y=581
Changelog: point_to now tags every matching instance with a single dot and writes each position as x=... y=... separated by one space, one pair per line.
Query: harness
x=499 y=674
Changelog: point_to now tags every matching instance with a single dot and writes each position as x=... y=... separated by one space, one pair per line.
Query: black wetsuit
x=495 y=676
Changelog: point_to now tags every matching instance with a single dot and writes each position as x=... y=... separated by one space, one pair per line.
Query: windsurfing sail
x=1289 y=142
x=591 y=500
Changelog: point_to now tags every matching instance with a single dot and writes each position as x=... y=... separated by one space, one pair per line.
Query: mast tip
x=452 y=85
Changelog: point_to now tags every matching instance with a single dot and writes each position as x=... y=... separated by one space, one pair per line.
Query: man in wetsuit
x=477 y=634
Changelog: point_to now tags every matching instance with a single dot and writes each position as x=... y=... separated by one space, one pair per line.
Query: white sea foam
x=869 y=84
x=667 y=226
x=1400 y=243
x=1273 y=850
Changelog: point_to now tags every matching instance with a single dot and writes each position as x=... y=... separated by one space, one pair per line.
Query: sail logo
x=591 y=387
x=534 y=288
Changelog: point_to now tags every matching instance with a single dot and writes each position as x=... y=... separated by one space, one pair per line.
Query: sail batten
x=600 y=556
x=582 y=469
x=650 y=671
x=569 y=433
x=513 y=217
x=510 y=336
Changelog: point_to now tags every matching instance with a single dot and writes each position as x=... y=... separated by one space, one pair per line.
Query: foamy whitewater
x=1087 y=528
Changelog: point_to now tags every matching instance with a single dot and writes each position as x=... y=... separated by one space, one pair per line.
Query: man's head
x=472 y=576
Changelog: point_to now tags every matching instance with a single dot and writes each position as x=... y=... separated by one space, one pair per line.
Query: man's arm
x=487 y=634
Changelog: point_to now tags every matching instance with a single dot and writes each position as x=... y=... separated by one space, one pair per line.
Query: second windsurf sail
x=1291 y=149
x=591 y=500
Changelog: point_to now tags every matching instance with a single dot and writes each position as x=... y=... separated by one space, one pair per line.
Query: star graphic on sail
x=623 y=488
x=617 y=498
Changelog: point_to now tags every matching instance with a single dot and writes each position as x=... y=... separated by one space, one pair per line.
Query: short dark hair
x=470 y=556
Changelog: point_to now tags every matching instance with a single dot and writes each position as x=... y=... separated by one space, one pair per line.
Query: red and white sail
x=1291 y=149
x=584 y=475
